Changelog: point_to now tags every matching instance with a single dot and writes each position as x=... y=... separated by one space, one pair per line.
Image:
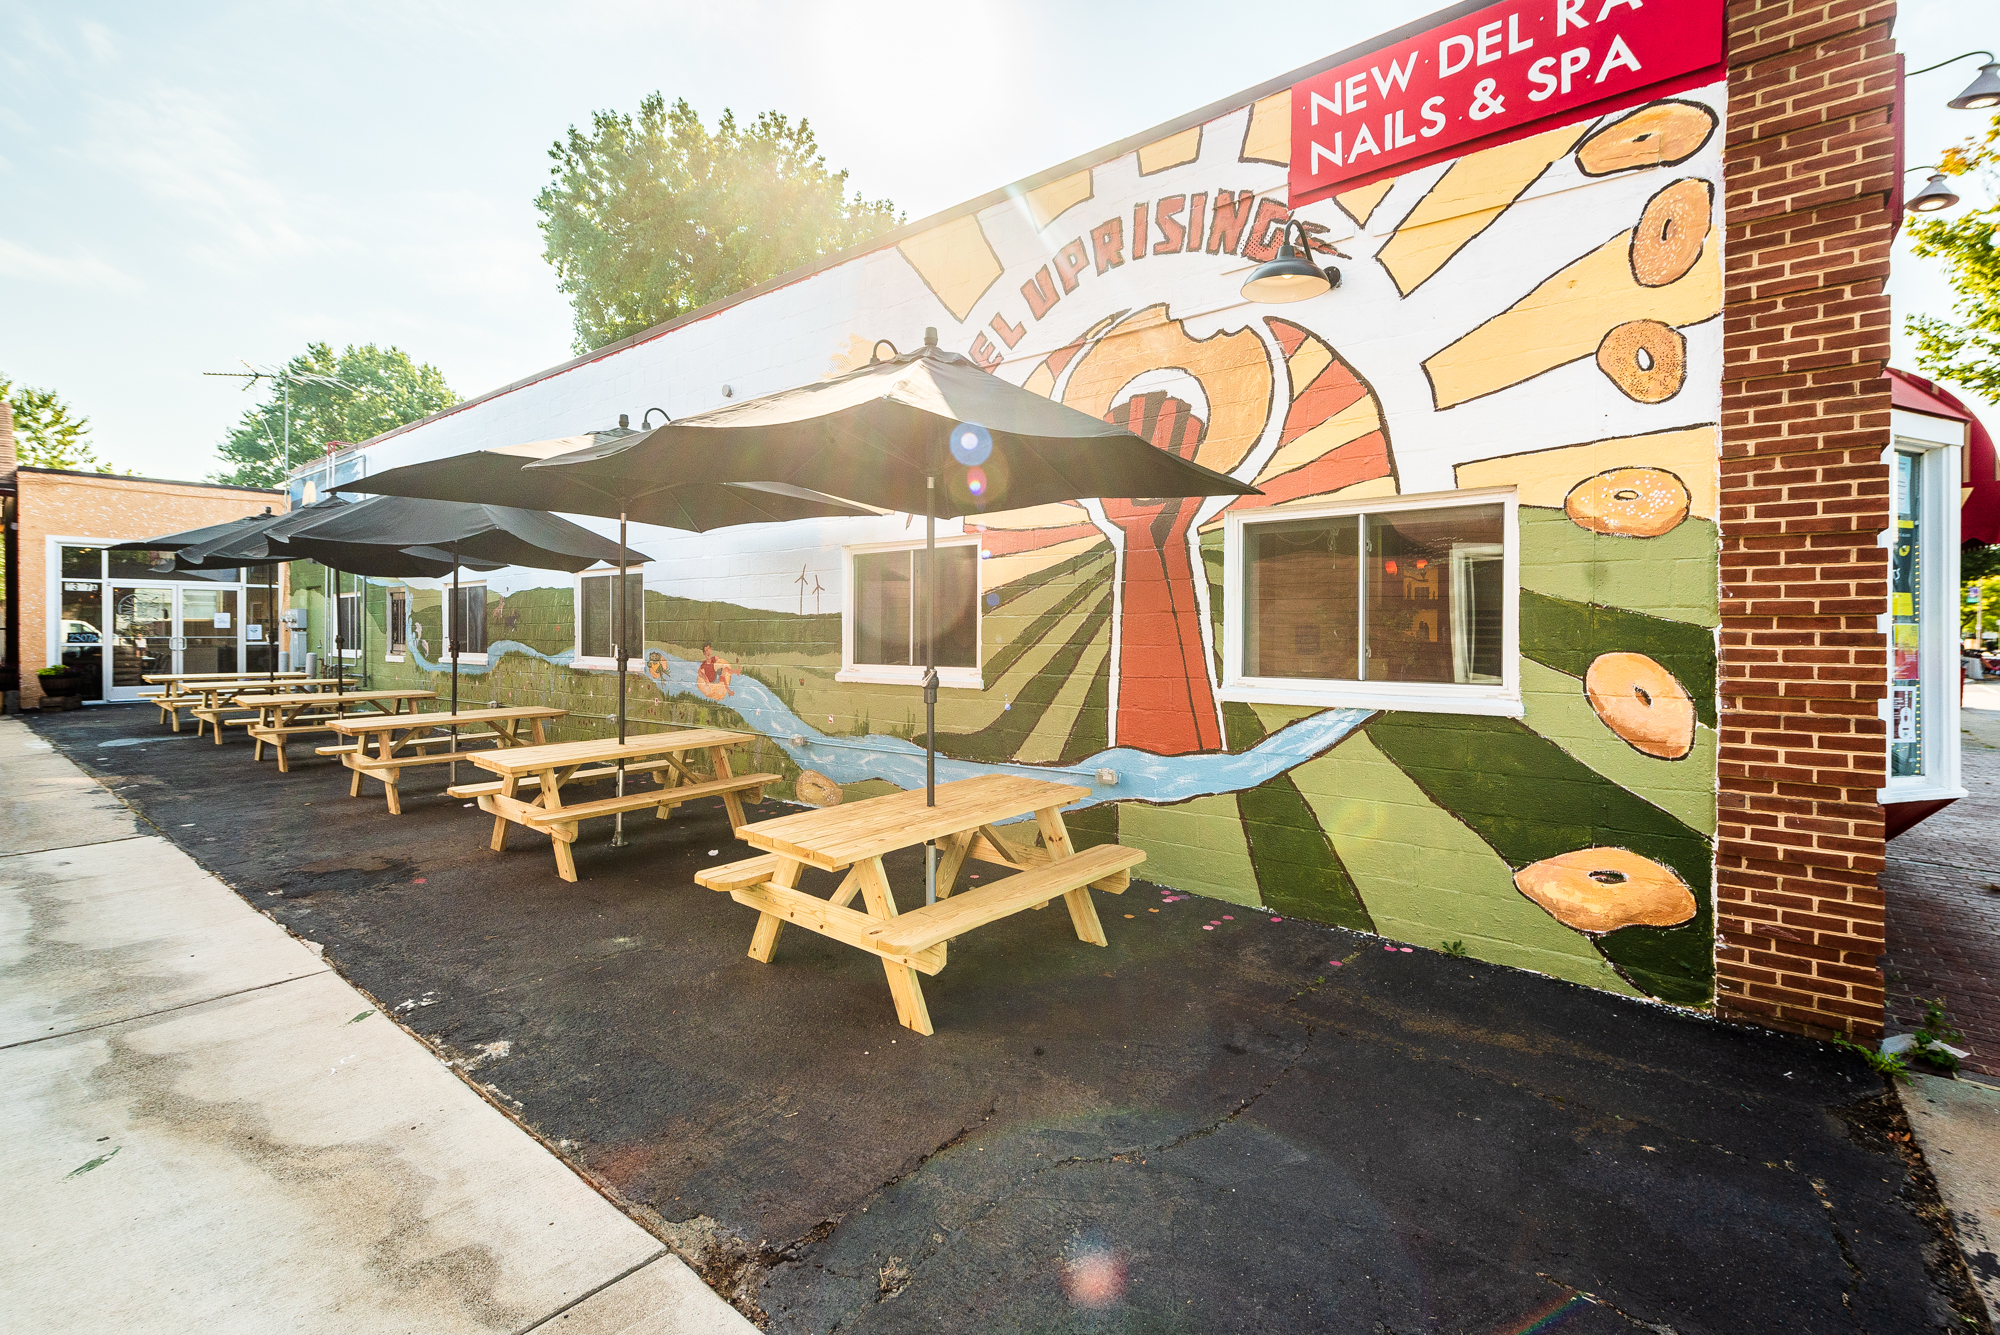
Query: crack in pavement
x=1657 y=1327
x=1839 y=1240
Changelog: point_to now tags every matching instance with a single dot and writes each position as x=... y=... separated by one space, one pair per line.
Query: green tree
x=48 y=432
x=1964 y=351
x=352 y=396
x=651 y=218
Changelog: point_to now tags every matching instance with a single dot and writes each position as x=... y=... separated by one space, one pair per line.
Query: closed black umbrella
x=925 y=430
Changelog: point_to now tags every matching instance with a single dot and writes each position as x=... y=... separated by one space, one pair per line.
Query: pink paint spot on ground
x=1336 y=963
x=420 y=880
x=1404 y=949
x=1228 y=917
x=1208 y=927
x=1277 y=920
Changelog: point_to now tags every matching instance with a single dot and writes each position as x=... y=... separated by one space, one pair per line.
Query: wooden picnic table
x=277 y=717
x=404 y=740
x=215 y=696
x=177 y=689
x=854 y=837
x=174 y=678
x=548 y=768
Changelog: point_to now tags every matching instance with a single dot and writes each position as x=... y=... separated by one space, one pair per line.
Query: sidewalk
x=1942 y=886
x=1957 y=1122
x=207 y=1129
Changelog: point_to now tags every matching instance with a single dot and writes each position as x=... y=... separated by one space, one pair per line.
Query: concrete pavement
x=1219 y=1122
x=1942 y=886
x=206 y=1129
x=1957 y=1122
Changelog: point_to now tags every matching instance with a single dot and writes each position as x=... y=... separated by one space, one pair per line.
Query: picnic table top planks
x=361 y=723
x=561 y=755
x=243 y=684
x=327 y=698
x=154 y=678
x=833 y=838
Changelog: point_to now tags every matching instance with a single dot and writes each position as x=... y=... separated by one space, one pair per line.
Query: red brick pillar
x=1810 y=181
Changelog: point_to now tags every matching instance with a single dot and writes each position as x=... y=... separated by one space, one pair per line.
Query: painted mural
x=1525 y=344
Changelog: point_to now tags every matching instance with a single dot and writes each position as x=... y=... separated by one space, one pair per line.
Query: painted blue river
x=1142 y=776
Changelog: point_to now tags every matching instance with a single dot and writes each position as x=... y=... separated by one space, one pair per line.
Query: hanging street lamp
x=1291 y=275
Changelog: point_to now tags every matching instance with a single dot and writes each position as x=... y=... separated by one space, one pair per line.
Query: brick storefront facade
x=1812 y=200
x=107 y=508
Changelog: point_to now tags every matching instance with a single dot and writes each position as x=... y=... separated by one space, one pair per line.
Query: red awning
x=1979 y=467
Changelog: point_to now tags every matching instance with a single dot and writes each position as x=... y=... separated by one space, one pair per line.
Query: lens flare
x=971 y=443
x=975 y=481
x=1094 y=1277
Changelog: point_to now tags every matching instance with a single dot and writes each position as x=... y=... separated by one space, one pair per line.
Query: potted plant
x=62 y=686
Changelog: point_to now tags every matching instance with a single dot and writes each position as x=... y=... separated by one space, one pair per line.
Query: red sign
x=1497 y=74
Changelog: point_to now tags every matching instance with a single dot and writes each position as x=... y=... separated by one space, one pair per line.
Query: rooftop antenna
x=285 y=377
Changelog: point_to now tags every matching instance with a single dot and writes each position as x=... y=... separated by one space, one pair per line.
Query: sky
x=184 y=189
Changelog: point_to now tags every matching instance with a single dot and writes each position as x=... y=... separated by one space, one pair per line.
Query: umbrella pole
x=277 y=624
x=339 y=648
x=618 y=659
x=457 y=633
x=930 y=676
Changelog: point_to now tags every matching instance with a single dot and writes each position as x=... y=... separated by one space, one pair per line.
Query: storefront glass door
x=208 y=630
x=171 y=628
x=142 y=636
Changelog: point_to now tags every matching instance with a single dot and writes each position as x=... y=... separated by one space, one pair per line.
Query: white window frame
x=389 y=597
x=1938 y=442
x=352 y=652
x=892 y=674
x=605 y=661
x=450 y=614
x=1502 y=700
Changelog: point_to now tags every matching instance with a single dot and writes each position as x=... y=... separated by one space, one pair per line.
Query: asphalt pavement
x=1222 y=1122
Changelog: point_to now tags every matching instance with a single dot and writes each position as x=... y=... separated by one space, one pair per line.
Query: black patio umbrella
x=237 y=542
x=889 y=435
x=268 y=539
x=176 y=542
x=501 y=476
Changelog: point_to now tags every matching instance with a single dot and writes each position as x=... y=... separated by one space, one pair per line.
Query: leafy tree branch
x=1964 y=350
x=649 y=218
x=48 y=432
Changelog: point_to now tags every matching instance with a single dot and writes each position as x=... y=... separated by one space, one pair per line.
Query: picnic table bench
x=548 y=768
x=855 y=836
x=276 y=718
x=405 y=740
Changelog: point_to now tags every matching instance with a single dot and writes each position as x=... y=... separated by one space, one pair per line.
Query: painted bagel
x=1647 y=360
x=1641 y=702
x=1668 y=239
x=1629 y=502
x=1658 y=135
x=1603 y=889
x=815 y=789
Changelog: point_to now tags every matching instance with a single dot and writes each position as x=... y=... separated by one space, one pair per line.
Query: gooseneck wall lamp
x=1981 y=93
x=1936 y=194
x=1290 y=275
